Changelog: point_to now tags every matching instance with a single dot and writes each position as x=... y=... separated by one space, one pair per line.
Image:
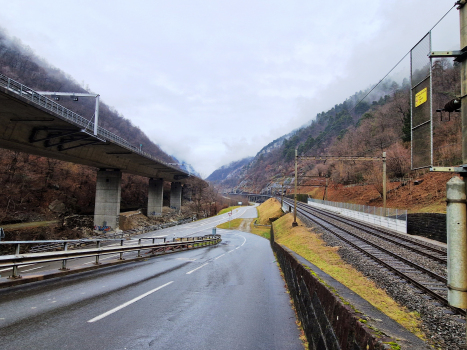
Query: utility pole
x=282 y=194
x=326 y=188
x=384 y=182
x=456 y=197
x=294 y=223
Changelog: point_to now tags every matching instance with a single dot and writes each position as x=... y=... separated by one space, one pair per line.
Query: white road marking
x=105 y=314
x=186 y=259
x=196 y=269
x=19 y=267
x=220 y=256
x=40 y=267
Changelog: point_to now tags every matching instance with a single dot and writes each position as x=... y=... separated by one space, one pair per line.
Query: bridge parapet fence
x=395 y=219
x=71 y=116
x=177 y=244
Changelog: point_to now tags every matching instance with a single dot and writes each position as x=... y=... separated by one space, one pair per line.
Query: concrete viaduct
x=34 y=124
x=252 y=197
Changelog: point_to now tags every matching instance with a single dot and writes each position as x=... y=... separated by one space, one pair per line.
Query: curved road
x=229 y=296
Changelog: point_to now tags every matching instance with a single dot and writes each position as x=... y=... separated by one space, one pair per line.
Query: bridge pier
x=176 y=195
x=155 y=197
x=108 y=195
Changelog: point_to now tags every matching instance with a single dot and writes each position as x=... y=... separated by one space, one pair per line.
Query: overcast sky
x=214 y=81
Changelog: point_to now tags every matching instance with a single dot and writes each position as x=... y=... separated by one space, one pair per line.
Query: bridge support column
x=176 y=195
x=108 y=195
x=155 y=197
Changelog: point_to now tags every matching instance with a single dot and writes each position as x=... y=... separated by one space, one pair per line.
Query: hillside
x=356 y=127
x=224 y=173
x=35 y=188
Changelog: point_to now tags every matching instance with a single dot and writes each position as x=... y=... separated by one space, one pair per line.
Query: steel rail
x=417 y=284
x=361 y=225
x=384 y=235
x=406 y=261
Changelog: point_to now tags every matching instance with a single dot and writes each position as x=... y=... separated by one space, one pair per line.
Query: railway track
x=368 y=240
x=425 y=249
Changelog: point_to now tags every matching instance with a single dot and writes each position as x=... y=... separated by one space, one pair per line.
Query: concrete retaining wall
x=429 y=225
x=386 y=222
x=328 y=323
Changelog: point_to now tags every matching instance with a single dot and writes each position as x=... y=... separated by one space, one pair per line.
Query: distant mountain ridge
x=228 y=171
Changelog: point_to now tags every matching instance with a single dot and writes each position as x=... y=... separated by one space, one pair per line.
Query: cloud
x=212 y=82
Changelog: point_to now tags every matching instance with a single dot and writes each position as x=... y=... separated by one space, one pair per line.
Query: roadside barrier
x=178 y=244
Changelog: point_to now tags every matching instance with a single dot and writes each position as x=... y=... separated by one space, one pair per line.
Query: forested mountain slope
x=379 y=123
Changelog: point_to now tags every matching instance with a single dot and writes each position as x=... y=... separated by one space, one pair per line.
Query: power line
x=401 y=60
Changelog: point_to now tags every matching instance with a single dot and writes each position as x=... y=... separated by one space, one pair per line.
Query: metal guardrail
x=74 y=118
x=177 y=244
x=54 y=245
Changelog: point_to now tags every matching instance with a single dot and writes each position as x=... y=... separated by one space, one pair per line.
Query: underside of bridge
x=32 y=124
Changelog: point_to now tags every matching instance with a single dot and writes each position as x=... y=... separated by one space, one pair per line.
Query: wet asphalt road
x=229 y=296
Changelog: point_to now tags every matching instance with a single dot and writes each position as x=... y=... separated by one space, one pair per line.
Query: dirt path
x=245 y=225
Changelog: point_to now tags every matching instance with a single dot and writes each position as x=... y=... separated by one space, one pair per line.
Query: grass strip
x=233 y=224
x=309 y=245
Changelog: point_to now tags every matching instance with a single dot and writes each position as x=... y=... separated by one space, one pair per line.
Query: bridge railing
x=71 y=116
x=16 y=260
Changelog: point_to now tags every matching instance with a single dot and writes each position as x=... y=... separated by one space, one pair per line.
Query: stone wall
x=327 y=321
x=429 y=225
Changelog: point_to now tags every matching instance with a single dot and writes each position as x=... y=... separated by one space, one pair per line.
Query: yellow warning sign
x=421 y=97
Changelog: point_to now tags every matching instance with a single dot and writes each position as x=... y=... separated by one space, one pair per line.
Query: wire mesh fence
x=398 y=214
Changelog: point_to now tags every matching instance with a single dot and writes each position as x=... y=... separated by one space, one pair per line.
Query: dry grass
x=269 y=209
x=260 y=231
x=233 y=224
x=309 y=245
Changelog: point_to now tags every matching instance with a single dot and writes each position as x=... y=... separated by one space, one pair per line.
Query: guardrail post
x=97 y=256
x=139 y=251
x=121 y=254
x=65 y=248
x=14 y=273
